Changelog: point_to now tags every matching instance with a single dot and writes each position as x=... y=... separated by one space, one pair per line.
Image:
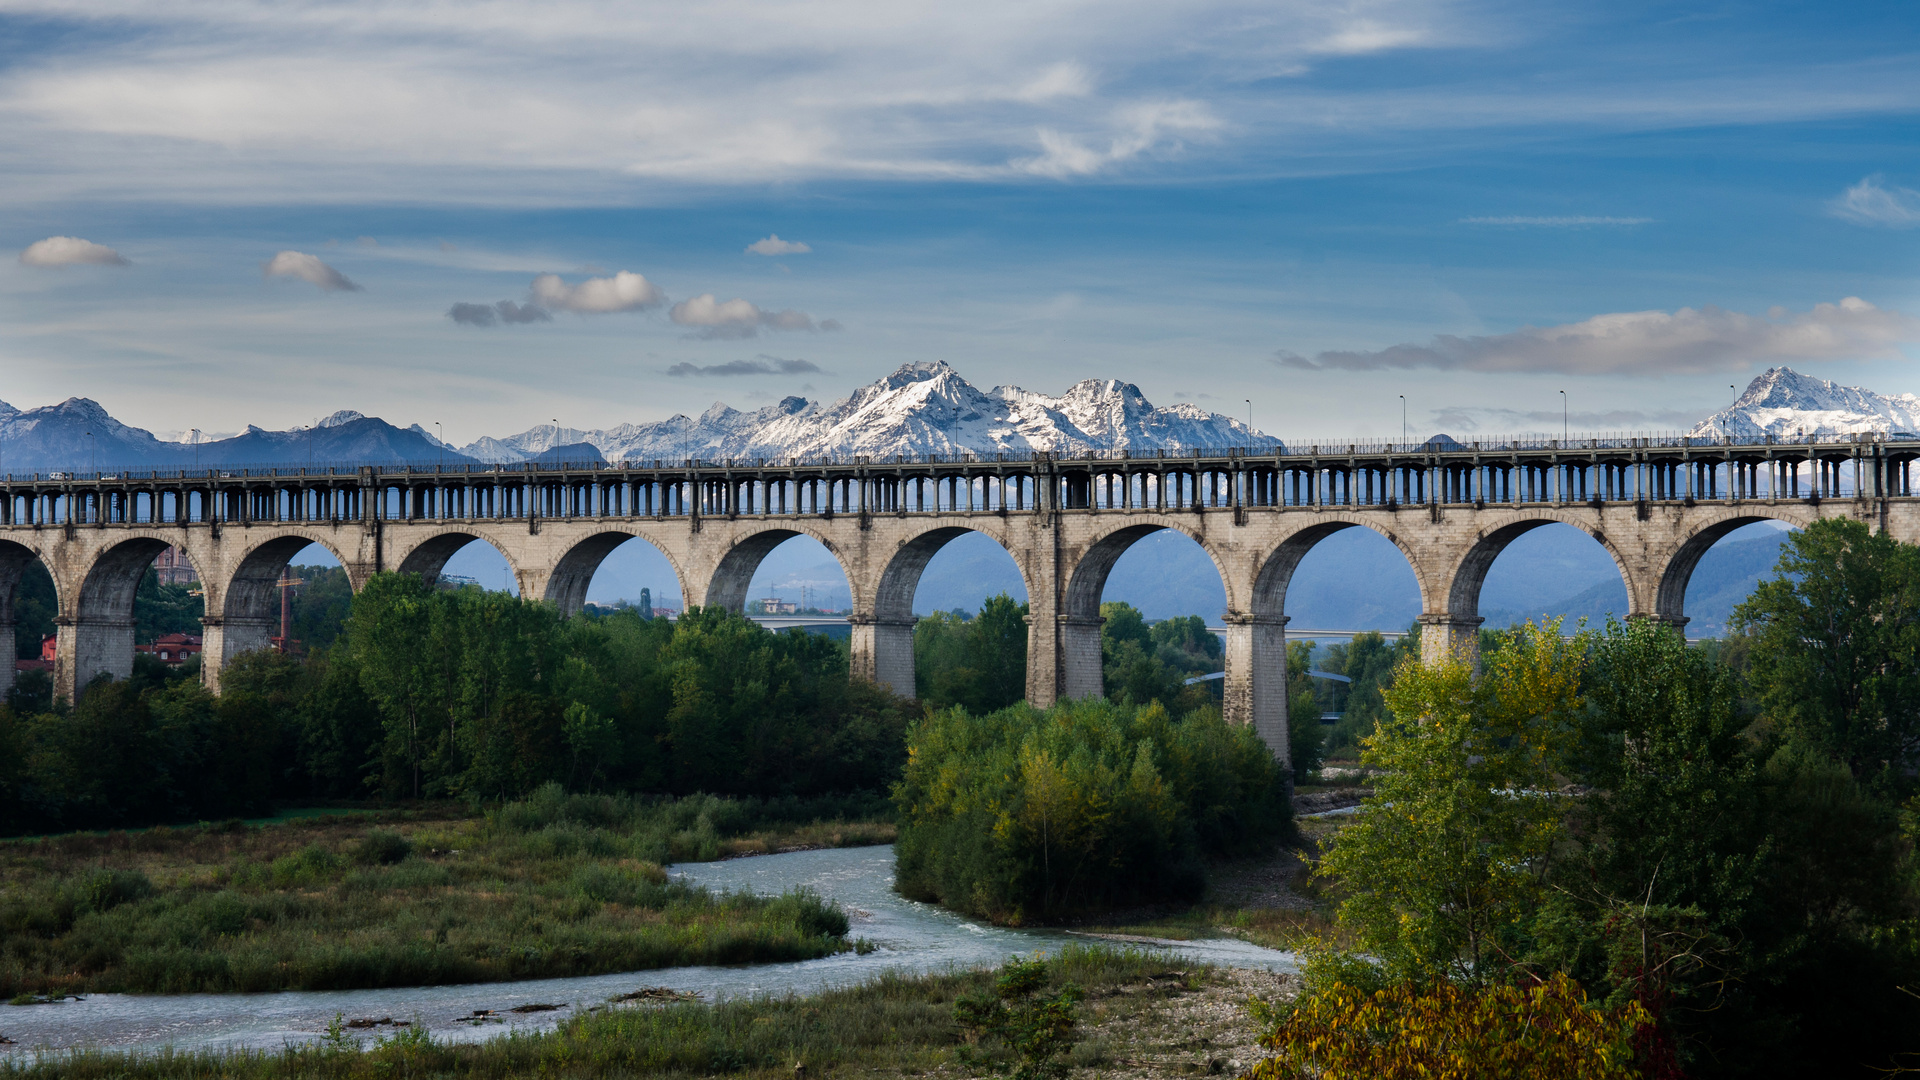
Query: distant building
x=172 y=567
x=49 y=646
x=172 y=648
x=773 y=605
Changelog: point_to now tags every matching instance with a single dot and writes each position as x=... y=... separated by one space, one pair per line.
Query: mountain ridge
x=919 y=408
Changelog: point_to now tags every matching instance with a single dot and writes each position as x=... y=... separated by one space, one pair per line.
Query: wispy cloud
x=56 y=251
x=1872 y=202
x=759 y=365
x=773 y=245
x=358 y=99
x=497 y=313
x=1156 y=129
x=717 y=320
x=624 y=291
x=1460 y=418
x=1689 y=340
x=1569 y=222
x=308 y=268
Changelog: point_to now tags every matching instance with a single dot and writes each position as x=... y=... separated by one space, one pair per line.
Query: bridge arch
x=1451 y=619
x=243 y=610
x=1670 y=596
x=1269 y=594
x=96 y=628
x=573 y=572
x=1080 y=669
x=883 y=645
x=15 y=561
x=733 y=572
x=1256 y=672
x=428 y=555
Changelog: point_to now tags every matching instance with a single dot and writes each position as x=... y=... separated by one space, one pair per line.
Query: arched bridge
x=1655 y=505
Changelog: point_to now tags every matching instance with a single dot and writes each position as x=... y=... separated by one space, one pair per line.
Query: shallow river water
x=909 y=937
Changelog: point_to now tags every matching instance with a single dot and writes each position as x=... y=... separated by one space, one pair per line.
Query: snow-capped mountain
x=1782 y=402
x=924 y=408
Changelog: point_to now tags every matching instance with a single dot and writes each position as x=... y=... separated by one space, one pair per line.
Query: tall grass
x=895 y=1022
x=556 y=885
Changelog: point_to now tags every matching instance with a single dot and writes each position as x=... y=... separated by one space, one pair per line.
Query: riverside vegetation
x=553 y=885
x=1605 y=855
x=458 y=694
x=1693 y=863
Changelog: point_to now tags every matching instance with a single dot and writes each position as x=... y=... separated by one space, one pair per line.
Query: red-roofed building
x=172 y=648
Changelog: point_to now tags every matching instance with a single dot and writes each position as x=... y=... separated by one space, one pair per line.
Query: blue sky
x=1318 y=206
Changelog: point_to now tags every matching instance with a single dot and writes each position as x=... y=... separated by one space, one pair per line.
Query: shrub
x=1035 y=1027
x=381 y=848
x=1031 y=815
x=1441 y=1031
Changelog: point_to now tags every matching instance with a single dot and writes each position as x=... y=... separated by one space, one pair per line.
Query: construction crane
x=286 y=585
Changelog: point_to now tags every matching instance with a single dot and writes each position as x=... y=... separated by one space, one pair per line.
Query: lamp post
x=440 y=436
x=1563 y=416
x=196 y=448
x=1403 y=421
x=1249 y=427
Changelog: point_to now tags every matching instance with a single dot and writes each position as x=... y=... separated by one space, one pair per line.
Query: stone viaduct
x=1655 y=505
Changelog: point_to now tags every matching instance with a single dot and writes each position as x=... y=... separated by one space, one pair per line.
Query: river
x=908 y=937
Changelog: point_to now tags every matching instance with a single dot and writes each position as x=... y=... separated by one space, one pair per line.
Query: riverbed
x=906 y=936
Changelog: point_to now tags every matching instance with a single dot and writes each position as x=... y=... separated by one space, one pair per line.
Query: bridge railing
x=1261 y=448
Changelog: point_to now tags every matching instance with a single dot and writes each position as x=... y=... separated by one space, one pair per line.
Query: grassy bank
x=555 y=885
x=891 y=1026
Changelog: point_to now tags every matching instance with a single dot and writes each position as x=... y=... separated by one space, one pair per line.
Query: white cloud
x=1158 y=128
x=308 y=268
x=1687 y=341
x=624 y=291
x=773 y=245
x=1872 y=202
x=760 y=365
x=70 y=251
x=734 y=319
x=1557 y=222
x=1363 y=36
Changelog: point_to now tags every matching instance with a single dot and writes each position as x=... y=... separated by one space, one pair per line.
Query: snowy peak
x=919 y=408
x=1783 y=402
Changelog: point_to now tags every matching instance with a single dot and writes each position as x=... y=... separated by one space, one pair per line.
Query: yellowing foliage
x=1441 y=1031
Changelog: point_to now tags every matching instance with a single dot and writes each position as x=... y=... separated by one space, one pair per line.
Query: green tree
x=979 y=663
x=321 y=607
x=1306 y=735
x=1448 y=864
x=159 y=609
x=1028 y=815
x=391 y=642
x=1835 y=653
